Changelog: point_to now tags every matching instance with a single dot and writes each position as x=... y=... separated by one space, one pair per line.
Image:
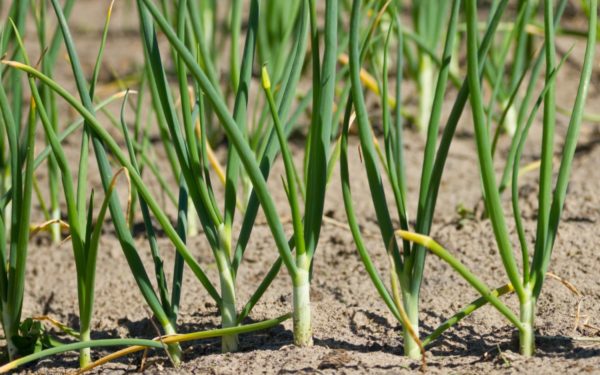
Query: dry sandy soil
x=353 y=331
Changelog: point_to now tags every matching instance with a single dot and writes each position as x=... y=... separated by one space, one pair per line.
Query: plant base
x=411 y=348
x=174 y=350
x=527 y=334
x=13 y=351
x=10 y=331
x=85 y=356
x=229 y=343
x=302 y=311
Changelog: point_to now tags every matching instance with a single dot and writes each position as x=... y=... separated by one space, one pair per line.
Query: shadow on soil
x=469 y=344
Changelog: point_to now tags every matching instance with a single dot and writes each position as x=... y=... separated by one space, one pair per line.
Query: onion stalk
x=406 y=266
x=529 y=282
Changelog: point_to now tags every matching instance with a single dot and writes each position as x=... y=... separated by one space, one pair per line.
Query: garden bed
x=353 y=330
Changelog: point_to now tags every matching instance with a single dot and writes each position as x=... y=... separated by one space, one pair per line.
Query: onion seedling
x=527 y=285
x=524 y=104
x=307 y=228
x=84 y=234
x=274 y=31
x=218 y=227
x=18 y=133
x=505 y=91
x=406 y=265
x=123 y=233
x=405 y=306
x=14 y=259
x=13 y=88
x=190 y=148
x=429 y=18
x=48 y=61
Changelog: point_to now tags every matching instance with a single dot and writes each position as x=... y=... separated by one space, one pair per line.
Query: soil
x=353 y=330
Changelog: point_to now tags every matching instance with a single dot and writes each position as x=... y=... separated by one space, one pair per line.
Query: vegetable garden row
x=499 y=57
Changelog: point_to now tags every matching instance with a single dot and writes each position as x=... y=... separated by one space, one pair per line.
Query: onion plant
x=14 y=244
x=122 y=230
x=505 y=84
x=521 y=105
x=274 y=31
x=527 y=284
x=84 y=234
x=48 y=61
x=406 y=266
x=20 y=344
x=192 y=160
x=13 y=88
x=317 y=153
x=429 y=18
x=192 y=156
x=17 y=146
